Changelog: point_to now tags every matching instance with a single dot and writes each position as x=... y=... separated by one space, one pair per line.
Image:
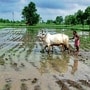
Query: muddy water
x=24 y=67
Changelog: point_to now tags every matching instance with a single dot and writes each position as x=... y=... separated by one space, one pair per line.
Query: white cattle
x=55 y=39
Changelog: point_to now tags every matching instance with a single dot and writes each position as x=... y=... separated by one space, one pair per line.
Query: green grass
x=50 y=26
x=11 y=25
x=85 y=43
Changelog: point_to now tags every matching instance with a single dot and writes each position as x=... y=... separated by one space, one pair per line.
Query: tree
x=59 y=20
x=88 y=21
x=87 y=14
x=30 y=15
x=80 y=17
x=4 y=20
x=49 y=21
x=70 y=19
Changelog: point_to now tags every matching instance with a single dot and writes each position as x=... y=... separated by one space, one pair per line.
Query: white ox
x=55 y=39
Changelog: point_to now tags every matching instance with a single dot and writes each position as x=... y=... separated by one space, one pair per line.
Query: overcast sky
x=48 y=9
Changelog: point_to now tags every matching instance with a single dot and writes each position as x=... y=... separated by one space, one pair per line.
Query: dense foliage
x=59 y=20
x=79 y=17
x=30 y=15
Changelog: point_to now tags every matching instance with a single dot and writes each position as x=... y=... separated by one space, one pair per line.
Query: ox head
x=42 y=36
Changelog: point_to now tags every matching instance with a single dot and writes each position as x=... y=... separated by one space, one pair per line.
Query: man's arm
x=72 y=37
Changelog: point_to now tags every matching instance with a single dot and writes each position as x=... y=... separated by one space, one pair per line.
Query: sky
x=48 y=9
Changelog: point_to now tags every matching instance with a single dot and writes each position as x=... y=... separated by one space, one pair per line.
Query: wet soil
x=24 y=67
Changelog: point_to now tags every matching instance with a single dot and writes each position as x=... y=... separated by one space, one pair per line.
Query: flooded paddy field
x=24 y=67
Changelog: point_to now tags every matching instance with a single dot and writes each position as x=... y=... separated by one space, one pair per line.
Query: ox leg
x=65 y=47
x=61 y=47
x=52 y=48
x=45 y=47
x=48 y=49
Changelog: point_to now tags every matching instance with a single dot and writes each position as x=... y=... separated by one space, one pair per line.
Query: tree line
x=9 y=21
x=4 y=20
x=31 y=17
x=80 y=17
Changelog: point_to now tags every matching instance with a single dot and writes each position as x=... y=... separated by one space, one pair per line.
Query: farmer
x=77 y=40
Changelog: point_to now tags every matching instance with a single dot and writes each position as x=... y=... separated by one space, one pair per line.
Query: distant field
x=52 y=26
x=11 y=25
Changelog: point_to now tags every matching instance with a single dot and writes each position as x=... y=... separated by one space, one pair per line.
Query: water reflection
x=29 y=36
x=55 y=63
x=75 y=64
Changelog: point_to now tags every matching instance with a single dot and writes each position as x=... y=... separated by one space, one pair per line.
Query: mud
x=24 y=67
